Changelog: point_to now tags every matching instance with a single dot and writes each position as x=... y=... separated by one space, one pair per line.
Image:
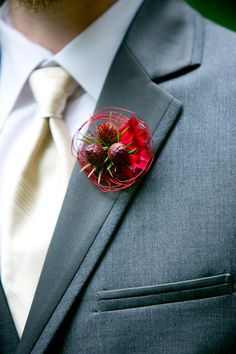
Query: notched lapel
x=89 y=217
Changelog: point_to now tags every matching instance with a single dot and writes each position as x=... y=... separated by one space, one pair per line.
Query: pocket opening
x=121 y=299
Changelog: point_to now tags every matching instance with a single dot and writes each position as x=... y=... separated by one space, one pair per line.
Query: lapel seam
x=166 y=111
x=193 y=58
x=194 y=38
x=198 y=40
x=131 y=53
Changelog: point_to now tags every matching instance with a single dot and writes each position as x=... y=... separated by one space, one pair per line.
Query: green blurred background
x=221 y=11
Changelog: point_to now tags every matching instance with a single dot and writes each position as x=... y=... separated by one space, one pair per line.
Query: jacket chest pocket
x=120 y=299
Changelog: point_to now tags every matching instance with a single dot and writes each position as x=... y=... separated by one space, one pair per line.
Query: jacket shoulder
x=221 y=40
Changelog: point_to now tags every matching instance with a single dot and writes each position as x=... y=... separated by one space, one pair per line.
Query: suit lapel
x=89 y=217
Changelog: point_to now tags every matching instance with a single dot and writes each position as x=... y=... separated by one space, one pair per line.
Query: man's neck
x=52 y=28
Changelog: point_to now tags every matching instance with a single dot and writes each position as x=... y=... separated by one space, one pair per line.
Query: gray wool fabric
x=151 y=269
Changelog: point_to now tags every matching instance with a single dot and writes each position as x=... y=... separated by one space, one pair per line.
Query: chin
x=38 y=4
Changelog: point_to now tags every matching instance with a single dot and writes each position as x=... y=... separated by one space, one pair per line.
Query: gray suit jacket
x=150 y=269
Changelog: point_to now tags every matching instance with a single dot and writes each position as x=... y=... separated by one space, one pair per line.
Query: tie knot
x=51 y=88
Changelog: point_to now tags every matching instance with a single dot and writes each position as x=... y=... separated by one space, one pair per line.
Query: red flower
x=116 y=162
x=137 y=137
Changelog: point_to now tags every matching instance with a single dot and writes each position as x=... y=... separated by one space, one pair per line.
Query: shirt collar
x=87 y=58
x=19 y=57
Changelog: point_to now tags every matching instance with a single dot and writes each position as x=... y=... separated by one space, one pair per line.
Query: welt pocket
x=119 y=299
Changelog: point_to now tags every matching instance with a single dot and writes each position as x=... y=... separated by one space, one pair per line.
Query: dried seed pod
x=107 y=133
x=118 y=153
x=95 y=154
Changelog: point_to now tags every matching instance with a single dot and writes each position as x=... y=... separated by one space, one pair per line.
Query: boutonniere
x=114 y=148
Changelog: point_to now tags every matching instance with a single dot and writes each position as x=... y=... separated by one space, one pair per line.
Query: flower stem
x=100 y=175
x=124 y=131
x=93 y=170
x=86 y=166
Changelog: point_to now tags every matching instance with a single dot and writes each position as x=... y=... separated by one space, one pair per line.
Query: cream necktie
x=38 y=194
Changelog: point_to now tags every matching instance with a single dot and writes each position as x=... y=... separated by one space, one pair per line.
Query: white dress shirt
x=87 y=58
